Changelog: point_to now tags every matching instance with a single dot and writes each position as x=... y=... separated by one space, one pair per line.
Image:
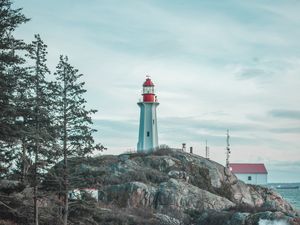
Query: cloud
x=286 y=130
x=254 y=72
x=286 y=114
x=283 y=171
x=286 y=165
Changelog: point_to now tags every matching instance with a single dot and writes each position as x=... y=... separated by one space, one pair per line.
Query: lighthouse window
x=148 y=90
x=148 y=133
x=153 y=121
x=249 y=178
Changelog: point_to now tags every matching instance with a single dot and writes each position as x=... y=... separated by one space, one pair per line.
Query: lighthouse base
x=148 y=137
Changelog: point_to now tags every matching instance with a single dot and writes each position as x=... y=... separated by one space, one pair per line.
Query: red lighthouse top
x=148 y=82
x=148 y=91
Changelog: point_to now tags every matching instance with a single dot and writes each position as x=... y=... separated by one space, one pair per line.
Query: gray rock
x=178 y=175
x=267 y=216
x=243 y=195
x=169 y=195
x=227 y=218
x=239 y=218
x=167 y=220
x=160 y=163
x=133 y=194
x=180 y=195
x=273 y=200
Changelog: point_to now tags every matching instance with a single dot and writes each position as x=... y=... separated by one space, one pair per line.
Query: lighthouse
x=148 y=138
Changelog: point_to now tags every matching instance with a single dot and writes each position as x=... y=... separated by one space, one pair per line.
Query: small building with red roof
x=250 y=173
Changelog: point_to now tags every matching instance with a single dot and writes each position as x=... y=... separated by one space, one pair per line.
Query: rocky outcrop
x=133 y=194
x=170 y=187
x=164 y=219
x=267 y=217
x=169 y=195
x=179 y=195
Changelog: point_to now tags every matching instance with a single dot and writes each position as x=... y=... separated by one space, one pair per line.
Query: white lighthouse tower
x=148 y=138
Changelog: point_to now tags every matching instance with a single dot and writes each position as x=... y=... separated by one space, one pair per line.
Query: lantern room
x=148 y=91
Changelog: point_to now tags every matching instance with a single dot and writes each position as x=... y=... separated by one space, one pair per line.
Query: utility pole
x=227 y=150
x=206 y=150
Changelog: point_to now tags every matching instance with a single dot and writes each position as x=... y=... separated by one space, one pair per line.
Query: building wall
x=148 y=137
x=256 y=178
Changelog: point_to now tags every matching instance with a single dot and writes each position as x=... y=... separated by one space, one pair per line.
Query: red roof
x=248 y=168
x=148 y=82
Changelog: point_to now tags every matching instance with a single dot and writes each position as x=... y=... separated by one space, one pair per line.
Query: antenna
x=206 y=150
x=227 y=150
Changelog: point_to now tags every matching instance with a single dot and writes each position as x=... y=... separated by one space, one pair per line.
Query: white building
x=76 y=194
x=148 y=137
x=250 y=173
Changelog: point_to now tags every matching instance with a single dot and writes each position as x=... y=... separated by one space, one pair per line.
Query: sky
x=216 y=65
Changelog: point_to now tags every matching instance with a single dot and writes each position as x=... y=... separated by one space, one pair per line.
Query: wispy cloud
x=288 y=114
x=287 y=130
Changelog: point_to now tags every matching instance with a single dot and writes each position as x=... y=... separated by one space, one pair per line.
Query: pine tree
x=73 y=120
x=24 y=101
x=41 y=133
x=10 y=69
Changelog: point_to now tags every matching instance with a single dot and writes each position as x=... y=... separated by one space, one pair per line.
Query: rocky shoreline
x=168 y=187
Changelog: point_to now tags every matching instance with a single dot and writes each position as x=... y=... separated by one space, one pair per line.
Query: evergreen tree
x=10 y=70
x=73 y=120
x=24 y=101
x=41 y=134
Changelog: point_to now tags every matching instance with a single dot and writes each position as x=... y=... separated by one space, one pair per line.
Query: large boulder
x=272 y=200
x=133 y=194
x=179 y=195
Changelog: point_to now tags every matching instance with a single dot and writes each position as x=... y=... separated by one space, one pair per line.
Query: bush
x=163 y=151
x=155 y=176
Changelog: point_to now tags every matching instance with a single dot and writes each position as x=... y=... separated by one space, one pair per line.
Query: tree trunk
x=24 y=163
x=35 y=188
x=36 y=209
x=66 y=197
x=37 y=137
x=65 y=135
